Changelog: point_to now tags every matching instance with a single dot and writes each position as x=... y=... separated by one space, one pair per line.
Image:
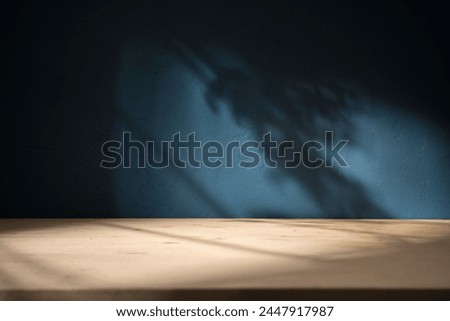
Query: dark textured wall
x=75 y=75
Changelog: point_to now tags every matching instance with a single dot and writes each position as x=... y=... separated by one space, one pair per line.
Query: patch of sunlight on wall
x=398 y=157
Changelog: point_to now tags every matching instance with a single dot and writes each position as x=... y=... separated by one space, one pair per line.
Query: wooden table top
x=159 y=259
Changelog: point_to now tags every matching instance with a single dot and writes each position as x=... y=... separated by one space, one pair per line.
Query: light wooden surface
x=224 y=259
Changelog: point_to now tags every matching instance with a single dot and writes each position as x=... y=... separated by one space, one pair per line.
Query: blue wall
x=398 y=161
x=76 y=74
